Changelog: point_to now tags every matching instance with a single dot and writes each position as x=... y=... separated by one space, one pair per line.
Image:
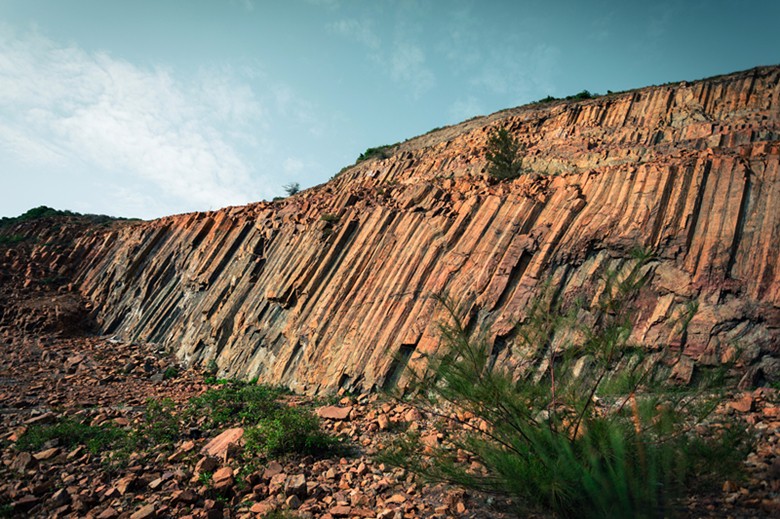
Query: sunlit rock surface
x=331 y=288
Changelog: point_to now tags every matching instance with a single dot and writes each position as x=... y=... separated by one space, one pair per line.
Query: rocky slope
x=331 y=288
x=37 y=260
x=208 y=472
x=196 y=473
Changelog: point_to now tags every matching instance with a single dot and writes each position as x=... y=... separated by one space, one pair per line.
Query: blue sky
x=152 y=107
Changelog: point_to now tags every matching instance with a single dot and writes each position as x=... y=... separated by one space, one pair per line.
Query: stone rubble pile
x=99 y=381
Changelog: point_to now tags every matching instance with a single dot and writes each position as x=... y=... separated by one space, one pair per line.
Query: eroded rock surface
x=330 y=288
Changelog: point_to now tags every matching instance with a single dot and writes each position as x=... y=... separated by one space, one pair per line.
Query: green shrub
x=380 y=152
x=581 y=96
x=35 y=213
x=330 y=218
x=211 y=369
x=161 y=424
x=12 y=239
x=69 y=433
x=235 y=401
x=204 y=478
x=289 y=430
x=53 y=280
x=503 y=155
x=43 y=211
x=552 y=443
x=170 y=372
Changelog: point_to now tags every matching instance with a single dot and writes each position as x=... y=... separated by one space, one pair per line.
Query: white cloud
x=229 y=100
x=404 y=61
x=293 y=165
x=459 y=42
x=61 y=105
x=516 y=73
x=407 y=65
x=494 y=78
x=361 y=31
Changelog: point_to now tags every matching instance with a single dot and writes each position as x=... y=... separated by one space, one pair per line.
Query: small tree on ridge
x=292 y=188
x=503 y=155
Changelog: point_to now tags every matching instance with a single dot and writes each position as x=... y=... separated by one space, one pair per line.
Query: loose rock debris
x=101 y=381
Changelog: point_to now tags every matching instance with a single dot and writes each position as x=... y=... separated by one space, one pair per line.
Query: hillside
x=334 y=290
x=326 y=288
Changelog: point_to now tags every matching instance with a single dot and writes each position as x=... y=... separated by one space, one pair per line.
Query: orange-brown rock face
x=330 y=287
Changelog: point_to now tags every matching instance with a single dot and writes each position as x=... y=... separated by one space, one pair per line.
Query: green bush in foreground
x=161 y=424
x=69 y=433
x=272 y=427
x=236 y=401
x=290 y=430
x=552 y=444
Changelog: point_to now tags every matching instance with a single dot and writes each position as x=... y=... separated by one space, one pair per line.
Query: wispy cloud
x=65 y=106
x=407 y=66
x=361 y=31
x=516 y=73
x=403 y=60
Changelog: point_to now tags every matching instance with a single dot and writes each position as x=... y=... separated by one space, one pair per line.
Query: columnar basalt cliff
x=330 y=288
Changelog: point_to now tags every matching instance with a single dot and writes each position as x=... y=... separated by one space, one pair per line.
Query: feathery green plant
x=556 y=444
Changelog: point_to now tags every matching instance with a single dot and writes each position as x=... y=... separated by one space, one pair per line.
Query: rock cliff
x=330 y=288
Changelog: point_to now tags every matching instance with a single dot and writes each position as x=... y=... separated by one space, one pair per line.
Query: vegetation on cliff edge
x=43 y=211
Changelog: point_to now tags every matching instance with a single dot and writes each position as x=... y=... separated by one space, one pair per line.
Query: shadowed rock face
x=330 y=288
